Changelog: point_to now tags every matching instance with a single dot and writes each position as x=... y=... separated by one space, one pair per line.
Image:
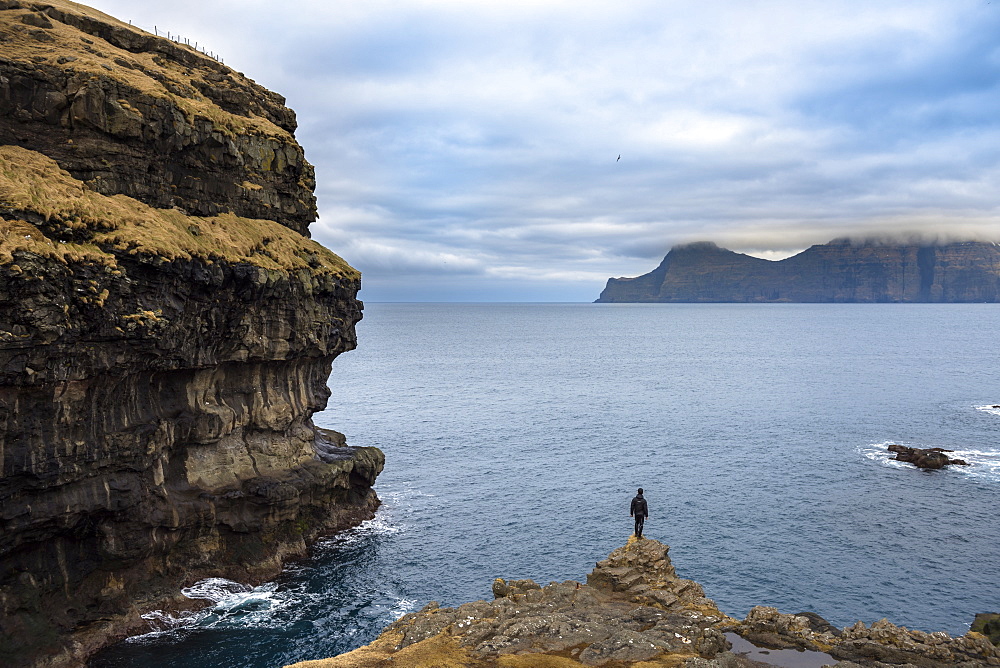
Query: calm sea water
x=515 y=436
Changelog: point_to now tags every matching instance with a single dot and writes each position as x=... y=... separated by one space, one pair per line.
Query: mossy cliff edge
x=167 y=330
x=634 y=611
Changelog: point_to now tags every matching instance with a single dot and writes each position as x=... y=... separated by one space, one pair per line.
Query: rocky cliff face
x=130 y=113
x=166 y=332
x=635 y=611
x=840 y=271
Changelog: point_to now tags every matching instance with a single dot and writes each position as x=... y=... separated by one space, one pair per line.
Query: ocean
x=515 y=436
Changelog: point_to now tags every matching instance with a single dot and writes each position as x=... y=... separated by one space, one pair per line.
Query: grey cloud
x=464 y=147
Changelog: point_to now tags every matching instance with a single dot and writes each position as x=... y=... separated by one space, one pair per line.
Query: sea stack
x=842 y=271
x=167 y=330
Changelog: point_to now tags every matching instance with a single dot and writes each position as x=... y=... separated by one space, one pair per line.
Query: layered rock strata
x=167 y=330
x=840 y=271
x=635 y=611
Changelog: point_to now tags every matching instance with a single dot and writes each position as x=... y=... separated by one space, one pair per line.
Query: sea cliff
x=635 y=611
x=167 y=330
x=840 y=271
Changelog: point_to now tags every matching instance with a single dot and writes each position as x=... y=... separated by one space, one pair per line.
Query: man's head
x=640 y=490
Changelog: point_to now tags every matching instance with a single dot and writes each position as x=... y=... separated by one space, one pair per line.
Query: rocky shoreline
x=635 y=611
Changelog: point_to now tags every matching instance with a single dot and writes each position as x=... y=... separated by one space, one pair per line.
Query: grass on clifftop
x=74 y=51
x=85 y=226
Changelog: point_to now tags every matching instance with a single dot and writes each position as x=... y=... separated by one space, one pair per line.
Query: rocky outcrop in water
x=635 y=611
x=925 y=458
x=166 y=333
x=840 y=271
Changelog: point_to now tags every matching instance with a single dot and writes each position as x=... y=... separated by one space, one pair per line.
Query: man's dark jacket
x=639 y=508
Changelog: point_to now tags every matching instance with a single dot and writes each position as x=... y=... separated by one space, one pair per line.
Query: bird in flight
x=619 y=157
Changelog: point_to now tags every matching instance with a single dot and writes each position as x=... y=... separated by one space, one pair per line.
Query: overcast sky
x=467 y=151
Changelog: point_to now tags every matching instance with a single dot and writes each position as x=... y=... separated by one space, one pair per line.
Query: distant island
x=842 y=271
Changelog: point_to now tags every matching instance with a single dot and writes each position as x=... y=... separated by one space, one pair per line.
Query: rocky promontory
x=840 y=271
x=167 y=330
x=635 y=611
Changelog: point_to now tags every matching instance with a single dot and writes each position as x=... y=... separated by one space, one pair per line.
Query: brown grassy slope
x=156 y=72
x=49 y=213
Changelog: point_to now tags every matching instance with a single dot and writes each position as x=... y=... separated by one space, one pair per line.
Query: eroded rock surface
x=635 y=611
x=167 y=330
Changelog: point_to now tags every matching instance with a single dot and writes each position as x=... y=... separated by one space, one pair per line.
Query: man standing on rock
x=640 y=511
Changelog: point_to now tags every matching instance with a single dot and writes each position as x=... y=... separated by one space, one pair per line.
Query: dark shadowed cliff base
x=167 y=330
x=634 y=611
x=837 y=272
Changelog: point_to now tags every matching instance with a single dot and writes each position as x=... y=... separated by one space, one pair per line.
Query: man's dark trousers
x=639 y=520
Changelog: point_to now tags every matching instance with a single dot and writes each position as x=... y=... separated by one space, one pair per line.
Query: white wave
x=162 y=619
x=164 y=624
x=215 y=589
x=388 y=520
x=403 y=606
x=401 y=498
x=234 y=605
x=238 y=605
x=992 y=409
x=878 y=453
x=982 y=463
x=381 y=525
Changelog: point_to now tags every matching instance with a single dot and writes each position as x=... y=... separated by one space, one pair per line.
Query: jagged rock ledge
x=635 y=611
